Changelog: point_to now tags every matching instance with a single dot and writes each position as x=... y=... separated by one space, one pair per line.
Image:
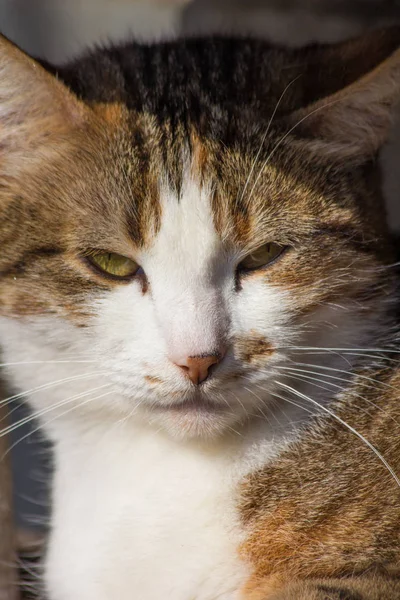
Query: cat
x=199 y=291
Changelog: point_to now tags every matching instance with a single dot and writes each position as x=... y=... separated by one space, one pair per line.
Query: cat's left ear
x=354 y=122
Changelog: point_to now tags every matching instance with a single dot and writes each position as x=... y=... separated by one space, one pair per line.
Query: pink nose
x=197 y=367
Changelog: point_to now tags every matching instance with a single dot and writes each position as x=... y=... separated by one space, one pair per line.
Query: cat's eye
x=114 y=264
x=261 y=257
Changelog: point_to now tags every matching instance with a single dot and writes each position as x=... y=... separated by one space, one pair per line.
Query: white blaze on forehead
x=187 y=234
x=187 y=271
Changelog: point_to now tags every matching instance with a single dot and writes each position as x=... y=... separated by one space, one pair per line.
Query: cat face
x=191 y=266
x=197 y=339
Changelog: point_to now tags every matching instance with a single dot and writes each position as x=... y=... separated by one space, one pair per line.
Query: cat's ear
x=34 y=104
x=354 y=121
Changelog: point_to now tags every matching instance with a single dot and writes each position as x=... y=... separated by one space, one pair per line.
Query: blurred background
x=59 y=29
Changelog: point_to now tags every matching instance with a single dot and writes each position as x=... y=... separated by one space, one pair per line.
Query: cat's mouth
x=195 y=413
x=195 y=404
x=192 y=417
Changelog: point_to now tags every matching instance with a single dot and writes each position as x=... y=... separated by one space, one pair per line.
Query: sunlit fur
x=163 y=488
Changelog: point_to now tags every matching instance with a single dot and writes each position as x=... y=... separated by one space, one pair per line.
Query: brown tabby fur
x=328 y=509
x=323 y=522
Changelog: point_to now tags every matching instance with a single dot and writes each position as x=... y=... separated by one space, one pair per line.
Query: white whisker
x=329 y=349
x=282 y=139
x=353 y=374
x=44 y=362
x=263 y=403
x=57 y=417
x=311 y=379
x=264 y=138
x=276 y=395
x=345 y=424
x=51 y=384
x=40 y=413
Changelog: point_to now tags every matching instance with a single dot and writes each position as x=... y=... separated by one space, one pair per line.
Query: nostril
x=197 y=368
x=184 y=368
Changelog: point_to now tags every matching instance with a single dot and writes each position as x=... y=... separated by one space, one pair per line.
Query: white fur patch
x=189 y=274
x=146 y=518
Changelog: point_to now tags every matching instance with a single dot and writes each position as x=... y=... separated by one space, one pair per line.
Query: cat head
x=193 y=217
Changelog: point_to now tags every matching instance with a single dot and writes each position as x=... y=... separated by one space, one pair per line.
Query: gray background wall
x=59 y=29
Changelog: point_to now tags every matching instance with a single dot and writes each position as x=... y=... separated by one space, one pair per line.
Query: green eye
x=261 y=257
x=114 y=264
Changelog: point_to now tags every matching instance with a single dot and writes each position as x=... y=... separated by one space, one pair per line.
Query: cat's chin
x=194 y=418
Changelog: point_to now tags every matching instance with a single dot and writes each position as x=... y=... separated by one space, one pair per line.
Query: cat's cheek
x=262 y=311
x=129 y=342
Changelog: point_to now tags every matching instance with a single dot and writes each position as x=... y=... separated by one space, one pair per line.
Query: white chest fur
x=138 y=516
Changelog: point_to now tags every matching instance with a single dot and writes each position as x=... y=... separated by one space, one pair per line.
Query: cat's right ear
x=35 y=106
